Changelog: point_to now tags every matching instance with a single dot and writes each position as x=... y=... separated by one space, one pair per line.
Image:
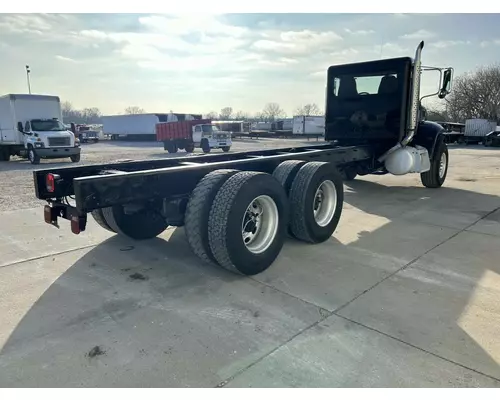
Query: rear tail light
x=50 y=182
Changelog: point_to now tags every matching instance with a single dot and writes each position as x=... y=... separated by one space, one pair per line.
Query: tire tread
x=198 y=209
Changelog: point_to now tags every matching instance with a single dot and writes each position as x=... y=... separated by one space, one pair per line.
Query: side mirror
x=446 y=86
x=20 y=127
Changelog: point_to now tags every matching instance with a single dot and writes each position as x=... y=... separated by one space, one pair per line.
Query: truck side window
x=197 y=129
x=27 y=127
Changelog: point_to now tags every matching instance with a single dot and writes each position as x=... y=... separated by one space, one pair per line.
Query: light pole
x=28 y=77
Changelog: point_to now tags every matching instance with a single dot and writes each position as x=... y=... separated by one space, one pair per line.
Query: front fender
x=429 y=135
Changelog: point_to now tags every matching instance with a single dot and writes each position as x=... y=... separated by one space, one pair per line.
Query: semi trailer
x=476 y=129
x=237 y=208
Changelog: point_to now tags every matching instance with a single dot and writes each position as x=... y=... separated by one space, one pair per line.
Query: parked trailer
x=454 y=132
x=140 y=126
x=236 y=128
x=191 y=134
x=237 y=208
x=476 y=129
x=308 y=125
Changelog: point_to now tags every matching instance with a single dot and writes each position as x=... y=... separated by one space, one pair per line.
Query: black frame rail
x=104 y=185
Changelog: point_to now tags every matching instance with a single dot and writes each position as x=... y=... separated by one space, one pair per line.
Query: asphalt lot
x=406 y=293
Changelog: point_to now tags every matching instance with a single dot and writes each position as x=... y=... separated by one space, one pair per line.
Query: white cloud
x=449 y=43
x=421 y=34
x=298 y=43
x=186 y=24
x=44 y=26
x=487 y=43
x=66 y=59
x=360 y=32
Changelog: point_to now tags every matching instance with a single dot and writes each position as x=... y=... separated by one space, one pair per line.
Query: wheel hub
x=442 y=165
x=260 y=224
x=325 y=203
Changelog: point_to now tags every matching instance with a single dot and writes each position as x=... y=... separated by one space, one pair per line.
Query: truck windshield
x=209 y=128
x=47 y=125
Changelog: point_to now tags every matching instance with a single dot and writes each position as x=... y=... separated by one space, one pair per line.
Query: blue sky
x=201 y=63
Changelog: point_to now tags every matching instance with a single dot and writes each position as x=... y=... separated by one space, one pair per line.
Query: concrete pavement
x=404 y=294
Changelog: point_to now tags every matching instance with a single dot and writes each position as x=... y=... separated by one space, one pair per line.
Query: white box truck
x=31 y=127
x=476 y=129
x=139 y=126
x=308 y=125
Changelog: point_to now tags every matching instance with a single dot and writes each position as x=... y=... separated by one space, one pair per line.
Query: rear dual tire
x=143 y=224
x=316 y=195
x=237 y=220
x=247 y=222
x=170 y=146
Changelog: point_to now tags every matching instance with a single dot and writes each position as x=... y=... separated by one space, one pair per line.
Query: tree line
x=270 y=112
x=474 y=95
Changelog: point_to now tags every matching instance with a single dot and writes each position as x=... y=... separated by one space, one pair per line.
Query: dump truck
x=238 y=208
x=189 y=135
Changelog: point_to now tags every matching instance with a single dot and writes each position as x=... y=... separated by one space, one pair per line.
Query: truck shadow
x=119 y=311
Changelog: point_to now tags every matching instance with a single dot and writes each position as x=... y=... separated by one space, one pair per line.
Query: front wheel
x=436 y=176
x=225 y=149
x=75 y=158
x=205 y=146
x=316 y=200
x=33 y=157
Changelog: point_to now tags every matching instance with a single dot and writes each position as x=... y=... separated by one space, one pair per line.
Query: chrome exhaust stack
x=414 y=103
x=415 y=99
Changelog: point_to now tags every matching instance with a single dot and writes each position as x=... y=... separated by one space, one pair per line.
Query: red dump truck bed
x=177 y=130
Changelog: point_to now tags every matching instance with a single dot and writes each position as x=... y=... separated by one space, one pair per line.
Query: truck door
x=197 y=133
x=26 y=135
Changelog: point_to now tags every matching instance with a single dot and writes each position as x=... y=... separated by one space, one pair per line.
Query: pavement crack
x=416 y=347
x=409 y=264
x=57 y=253
x=241 y=371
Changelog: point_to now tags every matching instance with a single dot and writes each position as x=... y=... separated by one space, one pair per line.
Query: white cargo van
x=31 y=127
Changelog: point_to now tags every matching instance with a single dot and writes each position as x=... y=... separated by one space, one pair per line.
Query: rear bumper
x=58 y=152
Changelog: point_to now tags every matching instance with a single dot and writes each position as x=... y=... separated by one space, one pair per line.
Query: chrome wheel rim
x=442 y=165
x=260 y=224
x=325 y=203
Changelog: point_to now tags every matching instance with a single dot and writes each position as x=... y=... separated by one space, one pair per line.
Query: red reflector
x=75 y=225
x=47 y=214
x=50 y=183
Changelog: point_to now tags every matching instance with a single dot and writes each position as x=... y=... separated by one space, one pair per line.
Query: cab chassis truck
x=237 y=209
